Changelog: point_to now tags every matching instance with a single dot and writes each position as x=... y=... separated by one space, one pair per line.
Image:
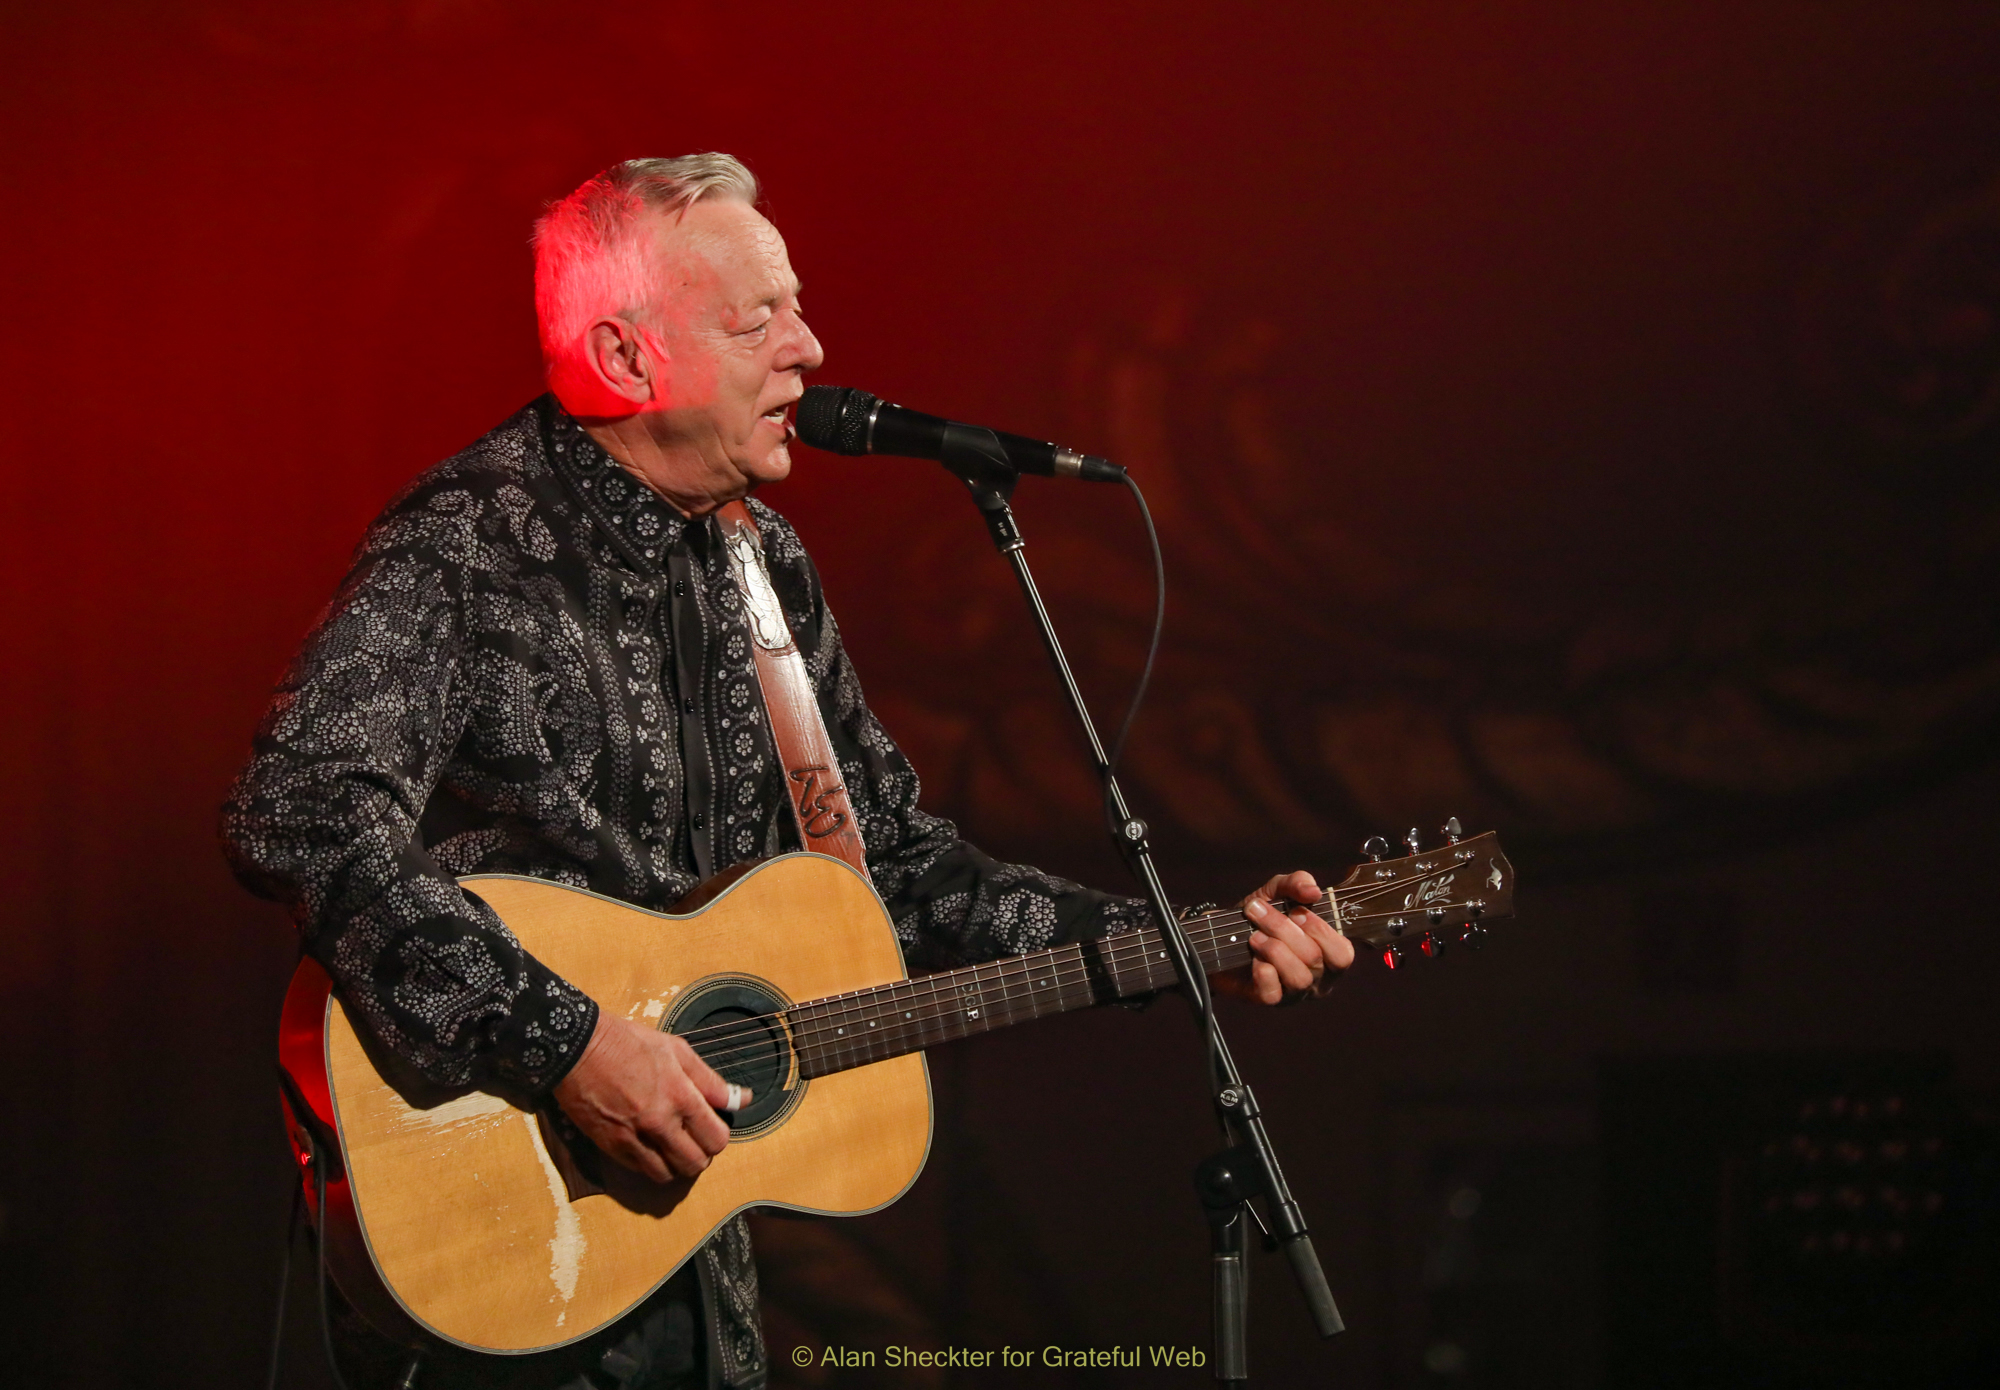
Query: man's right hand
x=646 y=1099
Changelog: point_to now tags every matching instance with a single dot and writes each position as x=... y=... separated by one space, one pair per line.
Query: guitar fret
x=918 y=1004
x=944 y=996
x=982 y=1017
x=972 y=1005
x=825 y=1037
x=843 y=1048
x=843 y=1030
x=930 y=1013
x=930 y=1016
x=860 y=1024
x=964 y=1010
x=898 y=1037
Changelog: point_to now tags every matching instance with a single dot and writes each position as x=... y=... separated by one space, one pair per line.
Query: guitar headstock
x=1427 y=900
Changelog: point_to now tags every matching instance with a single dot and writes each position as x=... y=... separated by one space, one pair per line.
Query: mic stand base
x=1229 y=1244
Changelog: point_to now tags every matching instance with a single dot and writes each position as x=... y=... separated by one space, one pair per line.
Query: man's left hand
x=1297 y=954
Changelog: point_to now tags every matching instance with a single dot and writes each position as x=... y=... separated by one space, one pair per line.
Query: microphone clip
x=975 y=456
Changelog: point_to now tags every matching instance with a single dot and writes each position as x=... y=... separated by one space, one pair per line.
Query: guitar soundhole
x=735 y=1024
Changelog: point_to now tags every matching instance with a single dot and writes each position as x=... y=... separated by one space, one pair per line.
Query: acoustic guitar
x=466 y=1216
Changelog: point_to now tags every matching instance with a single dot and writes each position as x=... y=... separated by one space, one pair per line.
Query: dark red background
x=1457 y=348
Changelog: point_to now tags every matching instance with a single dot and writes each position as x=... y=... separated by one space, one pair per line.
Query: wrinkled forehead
x=722 y=255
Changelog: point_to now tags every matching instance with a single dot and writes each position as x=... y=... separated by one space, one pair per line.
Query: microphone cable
x=1204 y=1002
x=1152 y=651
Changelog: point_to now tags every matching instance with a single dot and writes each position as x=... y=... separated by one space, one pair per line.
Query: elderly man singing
x=540 y=664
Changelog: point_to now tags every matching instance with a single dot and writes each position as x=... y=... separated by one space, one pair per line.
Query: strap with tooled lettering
x=812 y=775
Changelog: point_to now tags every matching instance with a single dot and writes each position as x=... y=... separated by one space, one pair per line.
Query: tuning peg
x=1393 y=957
x=1433 y=944
x=1452 y=831
x=1416 y=845
x=1376 y=848
x=1473 y=937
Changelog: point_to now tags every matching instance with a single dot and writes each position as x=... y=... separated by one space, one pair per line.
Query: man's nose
x=801 y=350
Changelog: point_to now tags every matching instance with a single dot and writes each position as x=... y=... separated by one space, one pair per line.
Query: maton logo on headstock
x=1430 y=891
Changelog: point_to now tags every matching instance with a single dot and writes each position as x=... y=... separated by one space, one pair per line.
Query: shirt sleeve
x=324 y=819
x=951 y=902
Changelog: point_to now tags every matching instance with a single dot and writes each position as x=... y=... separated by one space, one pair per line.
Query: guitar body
x=458 y=1214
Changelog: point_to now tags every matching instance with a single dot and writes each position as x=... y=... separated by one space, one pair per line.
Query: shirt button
x=698 y=821
x=687 y=705
x=680 y=588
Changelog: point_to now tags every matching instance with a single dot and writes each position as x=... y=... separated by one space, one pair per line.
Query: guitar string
x=1119 y=949
x=1117 y=955
x=990 y=986
x=822 y=1043
x=996 y=987
x=927 y=1004
x=925 y=991
x=1334 y=898
x=941 y=1017
x=1126 y=938
x=998 y=998
x=927 y=1001
x=1006 y=975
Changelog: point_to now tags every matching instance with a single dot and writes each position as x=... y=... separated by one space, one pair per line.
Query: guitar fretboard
x=1380 y=903
x=852 y=1030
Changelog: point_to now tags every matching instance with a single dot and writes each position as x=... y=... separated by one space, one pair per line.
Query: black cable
x=284 y=1286
x=1204 y=1001
x=325 y=1308
x=1152 y=648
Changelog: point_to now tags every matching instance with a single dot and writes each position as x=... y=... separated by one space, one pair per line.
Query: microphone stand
x=1228 y=1181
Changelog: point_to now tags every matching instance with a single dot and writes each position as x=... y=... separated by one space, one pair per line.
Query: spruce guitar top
x=500 y=1229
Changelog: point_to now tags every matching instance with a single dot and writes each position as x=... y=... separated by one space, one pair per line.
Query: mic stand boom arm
x=1227 y=1182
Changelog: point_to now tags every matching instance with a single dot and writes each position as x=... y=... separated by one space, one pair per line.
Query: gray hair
x=589 y=258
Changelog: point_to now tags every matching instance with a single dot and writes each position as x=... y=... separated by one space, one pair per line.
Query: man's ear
x=617 y=358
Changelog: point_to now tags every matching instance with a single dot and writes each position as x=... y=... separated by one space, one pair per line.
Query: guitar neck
x=852 y=1030
x=1383 y=904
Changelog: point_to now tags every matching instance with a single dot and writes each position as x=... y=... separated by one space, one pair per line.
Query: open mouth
x=782 y=418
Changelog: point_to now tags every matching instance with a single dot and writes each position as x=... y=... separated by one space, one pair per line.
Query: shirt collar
x=643 y=525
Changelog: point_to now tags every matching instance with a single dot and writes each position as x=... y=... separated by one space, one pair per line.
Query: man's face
x=729 y=346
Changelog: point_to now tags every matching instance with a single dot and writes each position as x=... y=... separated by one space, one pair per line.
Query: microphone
x=843 y=420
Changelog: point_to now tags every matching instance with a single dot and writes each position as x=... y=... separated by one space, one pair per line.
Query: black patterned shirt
x=535 y=666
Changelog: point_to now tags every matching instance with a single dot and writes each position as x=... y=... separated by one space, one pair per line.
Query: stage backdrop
x=1581 y=423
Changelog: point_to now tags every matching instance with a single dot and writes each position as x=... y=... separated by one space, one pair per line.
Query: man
x=540 y=664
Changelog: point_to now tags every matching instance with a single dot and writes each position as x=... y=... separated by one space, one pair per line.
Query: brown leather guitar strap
x=812 y=775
